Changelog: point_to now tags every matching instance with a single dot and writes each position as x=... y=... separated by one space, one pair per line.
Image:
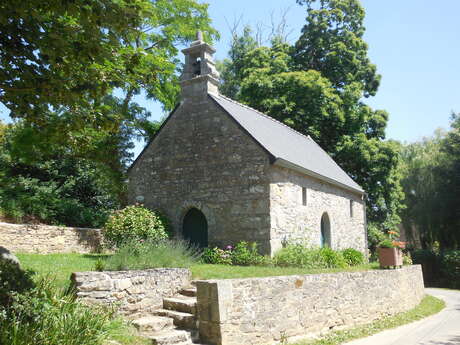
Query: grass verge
x=430 y=305
x=61 y=266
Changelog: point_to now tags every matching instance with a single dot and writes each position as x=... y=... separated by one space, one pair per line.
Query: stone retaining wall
x=263 y=310
x=132 y=291
x=45 y=239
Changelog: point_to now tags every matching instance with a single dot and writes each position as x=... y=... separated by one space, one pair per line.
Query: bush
x=246 y=254
x=216 y=256
x=133 y=224
x=147 y=254
x=12 y=280
x=296 y=255
x=450 y=268
x=430 y=262
x=331 y=258
x=353 y=257
x=44 y=316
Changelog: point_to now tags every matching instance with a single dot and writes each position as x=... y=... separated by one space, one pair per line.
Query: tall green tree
x=316 y=86
x=431 y=170
x=69 y=54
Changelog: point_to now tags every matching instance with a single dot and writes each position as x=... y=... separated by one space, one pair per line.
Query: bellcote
x=200 y=75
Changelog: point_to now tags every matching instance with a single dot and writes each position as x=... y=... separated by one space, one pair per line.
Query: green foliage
x=44 y=316
x=386 y=243
x=407 y=259
x=12 y=280
x=353 y=257
x=71 y=54
x=246 y=254
x=450 y=268
x=317 y=87
x=135 y=223
x=99 y=265
x=297 y=255
x=430 y=168
x=57 y=188
x=143 y=255
x=331 y=258
x=243 y=254
x=216 y=256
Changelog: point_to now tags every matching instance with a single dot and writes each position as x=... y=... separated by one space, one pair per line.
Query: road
x=440 y=329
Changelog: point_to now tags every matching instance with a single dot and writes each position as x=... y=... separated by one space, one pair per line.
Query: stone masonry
x=46 y=239
x=291 y=221
x=133 y=292
x=264 y=310
x=202 y=159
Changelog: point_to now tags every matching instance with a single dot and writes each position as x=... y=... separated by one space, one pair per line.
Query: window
x=304 y=196
x=351 y=208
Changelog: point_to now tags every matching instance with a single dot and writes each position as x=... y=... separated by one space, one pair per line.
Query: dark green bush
x=216 y=256
x=135 y=223
x=138 y=255
x=450 y=268
x=353 y=257
x=13 y=280
x=44 y=316
x=430 y=262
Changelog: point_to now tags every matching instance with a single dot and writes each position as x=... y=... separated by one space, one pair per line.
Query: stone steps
x=180 y=319
x=175 y=324
x=180 y=303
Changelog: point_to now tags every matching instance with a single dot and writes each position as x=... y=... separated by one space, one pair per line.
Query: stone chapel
x=223 y=172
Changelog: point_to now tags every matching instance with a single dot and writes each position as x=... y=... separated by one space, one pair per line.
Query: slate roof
x=288 y=147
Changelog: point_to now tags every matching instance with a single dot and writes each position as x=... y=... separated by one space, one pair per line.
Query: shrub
x=353 y=257
x=217 y=256
x=297 y=255
x=246 y=254
x=135 y=223
x=407 y=259
x=331 y=258
x=147 y=254
x=430 y=262
x=44 y=316
x=450 y=268
x=12 y=280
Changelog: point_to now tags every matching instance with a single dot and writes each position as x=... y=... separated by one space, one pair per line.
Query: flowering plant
x=391 y=242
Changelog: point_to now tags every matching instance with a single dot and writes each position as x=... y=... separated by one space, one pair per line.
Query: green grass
x=430 y=305
x=61 y=266
x=58 y=266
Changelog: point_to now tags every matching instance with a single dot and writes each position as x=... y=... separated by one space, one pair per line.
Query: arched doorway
x=195 y=228
x=325 y=231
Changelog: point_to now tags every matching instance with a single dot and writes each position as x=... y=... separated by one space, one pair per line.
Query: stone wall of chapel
x=291 y=221
x=201 y=158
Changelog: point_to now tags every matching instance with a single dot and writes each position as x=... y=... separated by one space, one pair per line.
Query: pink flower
x=229 y=247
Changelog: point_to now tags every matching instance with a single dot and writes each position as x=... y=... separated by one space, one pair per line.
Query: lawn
x=61 y=266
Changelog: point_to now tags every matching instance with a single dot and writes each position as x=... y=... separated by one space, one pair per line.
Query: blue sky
x=414 y=43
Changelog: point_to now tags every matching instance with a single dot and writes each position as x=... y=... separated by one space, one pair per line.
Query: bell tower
x=200 y=75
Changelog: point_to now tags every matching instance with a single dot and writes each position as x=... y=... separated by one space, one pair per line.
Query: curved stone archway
x=195 y=228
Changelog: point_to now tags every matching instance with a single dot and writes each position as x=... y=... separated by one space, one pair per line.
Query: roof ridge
x=264 y=115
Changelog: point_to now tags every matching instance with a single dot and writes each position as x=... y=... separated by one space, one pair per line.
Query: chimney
x=200 y=75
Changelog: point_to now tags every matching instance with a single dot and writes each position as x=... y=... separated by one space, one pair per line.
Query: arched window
x=195 y=228
x=325 y=231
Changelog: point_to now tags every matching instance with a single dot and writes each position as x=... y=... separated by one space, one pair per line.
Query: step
x=182 y=304
x=189 y=292
x=153 y=323
x=182 y=320
x=171 y=337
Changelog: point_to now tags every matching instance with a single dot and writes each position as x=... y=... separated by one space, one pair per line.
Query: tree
x=316 y=87
x=332 y=43
x=432 y=187
x=56 y=55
